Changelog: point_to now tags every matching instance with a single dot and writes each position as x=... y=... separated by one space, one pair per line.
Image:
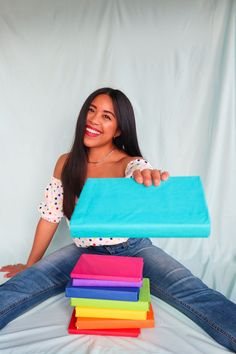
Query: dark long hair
x=75 y=169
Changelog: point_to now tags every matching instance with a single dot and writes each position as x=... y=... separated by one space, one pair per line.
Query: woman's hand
x=149 y=177
x=12 y=269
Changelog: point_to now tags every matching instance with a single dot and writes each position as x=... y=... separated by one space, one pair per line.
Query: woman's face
x=101 y=125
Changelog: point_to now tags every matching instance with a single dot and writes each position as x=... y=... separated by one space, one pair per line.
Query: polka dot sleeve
x=137 y=164
x=51 y=209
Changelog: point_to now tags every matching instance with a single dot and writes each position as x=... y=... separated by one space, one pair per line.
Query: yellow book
x=110 y=313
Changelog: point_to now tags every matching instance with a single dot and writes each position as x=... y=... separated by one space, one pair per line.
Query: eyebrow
x=103 y=110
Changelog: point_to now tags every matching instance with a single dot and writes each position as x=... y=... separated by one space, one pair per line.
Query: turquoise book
x=121 y=207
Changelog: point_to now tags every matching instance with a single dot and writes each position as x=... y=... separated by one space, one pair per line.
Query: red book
x=124 y=332
x=93 y=266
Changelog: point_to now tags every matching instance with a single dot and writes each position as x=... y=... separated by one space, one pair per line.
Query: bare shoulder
x=59 y=165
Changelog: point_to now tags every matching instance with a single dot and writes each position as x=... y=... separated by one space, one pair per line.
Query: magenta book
x=123 y=268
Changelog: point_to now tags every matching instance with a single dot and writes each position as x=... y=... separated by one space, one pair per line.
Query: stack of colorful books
x=109 y=296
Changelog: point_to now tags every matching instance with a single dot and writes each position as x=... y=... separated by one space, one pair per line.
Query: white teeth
x=92 y=131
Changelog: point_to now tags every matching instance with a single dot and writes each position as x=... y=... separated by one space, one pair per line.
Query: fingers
x=9 y=275
x=164 y=175
x=9 y=267
x=12 y=269
x=156 y=177
x=149 y=177
x=137 y=175
x=6 y=268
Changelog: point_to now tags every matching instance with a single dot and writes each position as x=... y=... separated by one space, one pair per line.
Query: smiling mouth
x=92 y=132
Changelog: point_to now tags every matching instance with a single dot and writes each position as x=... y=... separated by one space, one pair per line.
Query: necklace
x=99 y=161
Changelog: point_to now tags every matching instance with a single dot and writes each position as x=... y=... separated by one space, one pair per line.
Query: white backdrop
x=175 y=60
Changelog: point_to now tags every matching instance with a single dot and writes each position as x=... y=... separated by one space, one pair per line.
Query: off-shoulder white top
x=51 y=209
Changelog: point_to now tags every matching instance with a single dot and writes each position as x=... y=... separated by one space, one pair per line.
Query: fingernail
x=139 y=180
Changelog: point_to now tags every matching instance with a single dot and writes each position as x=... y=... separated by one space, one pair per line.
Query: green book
x=142 y=304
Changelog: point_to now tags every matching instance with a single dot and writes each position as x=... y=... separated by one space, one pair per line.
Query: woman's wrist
x=30 y=263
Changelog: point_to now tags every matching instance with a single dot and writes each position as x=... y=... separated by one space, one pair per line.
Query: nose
x=93 y=118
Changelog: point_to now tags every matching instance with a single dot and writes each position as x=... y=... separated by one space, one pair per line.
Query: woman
x=106 y=145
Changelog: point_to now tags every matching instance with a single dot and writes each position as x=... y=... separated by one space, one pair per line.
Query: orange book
x=103 y=323
x=124 y=332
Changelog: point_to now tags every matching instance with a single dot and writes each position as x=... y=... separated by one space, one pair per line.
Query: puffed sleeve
x=137 y=164
x=51 y=209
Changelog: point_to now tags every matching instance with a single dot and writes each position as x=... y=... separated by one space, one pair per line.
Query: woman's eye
x=91 y=109
x=107 y=117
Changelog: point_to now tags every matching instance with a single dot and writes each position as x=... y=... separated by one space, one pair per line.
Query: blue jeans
x=169 y=280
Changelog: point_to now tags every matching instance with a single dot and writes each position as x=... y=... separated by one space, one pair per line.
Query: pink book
x=94 y=266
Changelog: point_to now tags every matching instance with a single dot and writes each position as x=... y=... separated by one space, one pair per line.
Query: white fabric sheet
x=43 y=330
x=175 y=60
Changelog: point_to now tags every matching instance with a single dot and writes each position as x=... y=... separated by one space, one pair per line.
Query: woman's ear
x=118 y=133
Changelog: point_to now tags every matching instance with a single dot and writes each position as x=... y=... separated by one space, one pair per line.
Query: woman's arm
x=44 y=233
